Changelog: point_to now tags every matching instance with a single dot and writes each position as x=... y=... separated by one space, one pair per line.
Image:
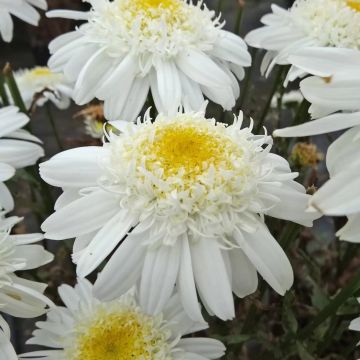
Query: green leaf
x=303 y=352
x=288 y=318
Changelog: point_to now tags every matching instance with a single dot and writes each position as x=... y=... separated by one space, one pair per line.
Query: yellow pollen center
x=118 y=336
x=188 y=149
x=354 y=4
x=41 y=71
x=146 y=4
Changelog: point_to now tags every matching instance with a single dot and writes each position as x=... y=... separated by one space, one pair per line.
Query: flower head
x=39 y=85
x=22 y=9
x=326 y=23
x=88 y=329
x=183 y=196
x=18 y=149
x=126 y=47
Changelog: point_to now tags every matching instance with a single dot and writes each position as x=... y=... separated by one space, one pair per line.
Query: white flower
x=185 y=199
x=88 y=329
x=328 y=23
x=18 y=149
x=20 y=297
x=22 y=9
x=42 y=83
x=127 y=47
x=6 y=349
x=336 y=87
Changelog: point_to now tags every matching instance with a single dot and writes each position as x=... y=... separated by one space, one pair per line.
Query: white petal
x=209 y=348
x=161 y=267
x=73 y=168
x=81 y=216
x=327 y=124
x=268 y=257
x=122 y=270
x=186 y=283
x=211 y=278
x=169 y=85
x=340 y=195
x=244 y=275
x=104 y=242
x=202 y=69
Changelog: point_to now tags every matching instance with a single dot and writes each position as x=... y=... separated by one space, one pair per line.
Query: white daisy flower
x=336 y=87
x=20 y=297
x=329 y=23
x=127 y=47
x=18 y=149
x=87 y=329
x=184 y=197
x=22 y=9
x=42 y=85
x=6 y=349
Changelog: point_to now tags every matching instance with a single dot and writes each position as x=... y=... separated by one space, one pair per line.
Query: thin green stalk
x=53 y=125
x=239 y=14
x=302 y=113
x=246 y=84
x=251 y=317
x=265 y=111
x=289 y=234
x=13 y=88
x=331 y=308
x=3 y=94
x=220 y=5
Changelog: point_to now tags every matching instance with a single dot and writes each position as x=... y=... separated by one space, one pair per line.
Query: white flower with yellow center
x=22 y=9
x=184 y=197
x=18 y=149
x=336 y=87
x=127 y=47
x=39 y=85
x=327 y=23
x=88 y=329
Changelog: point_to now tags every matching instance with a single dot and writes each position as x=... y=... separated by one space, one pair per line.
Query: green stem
x=268 y=102
x=238 y=20
x=250 y=319
x=220 y=5
x=302 y=113
x=247 y=82
x=331 y=308
x=288 y=235
x=13 y=88
x=53 y=125
x=3 y=94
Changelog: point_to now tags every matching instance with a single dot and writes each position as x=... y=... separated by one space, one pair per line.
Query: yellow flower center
x=188 y=149
x=122 y=335
x=146 y=4
x=354 y=4
x=41 y=71
x=169 y=11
